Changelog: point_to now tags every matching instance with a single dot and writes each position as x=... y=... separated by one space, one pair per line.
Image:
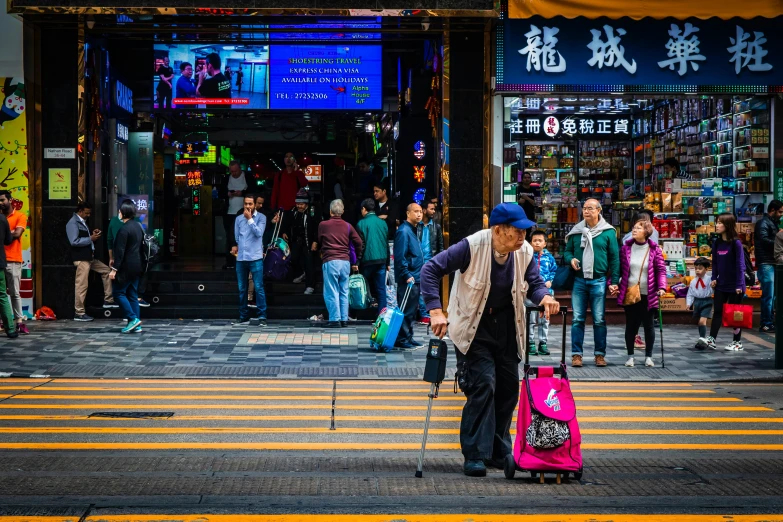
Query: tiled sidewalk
x=298 y=349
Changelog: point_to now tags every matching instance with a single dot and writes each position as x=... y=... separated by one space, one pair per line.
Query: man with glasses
x=593 y=255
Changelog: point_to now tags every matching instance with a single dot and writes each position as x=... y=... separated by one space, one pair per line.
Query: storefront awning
x=638 y=9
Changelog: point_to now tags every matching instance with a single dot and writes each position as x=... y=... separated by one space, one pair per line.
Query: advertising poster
x=13 y=171
x=325 y=77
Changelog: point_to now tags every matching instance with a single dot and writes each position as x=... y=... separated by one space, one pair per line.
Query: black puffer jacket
x=764 y=238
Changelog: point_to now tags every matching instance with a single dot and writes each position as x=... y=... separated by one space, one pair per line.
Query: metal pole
x=433 y=394
x=779 y=316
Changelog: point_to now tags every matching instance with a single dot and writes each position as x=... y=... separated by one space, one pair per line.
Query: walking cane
x=434 y=373
x=660 y=325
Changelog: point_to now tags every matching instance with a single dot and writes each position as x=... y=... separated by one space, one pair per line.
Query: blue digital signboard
x=330 y=76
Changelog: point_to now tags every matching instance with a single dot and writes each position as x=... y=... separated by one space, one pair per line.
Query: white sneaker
x=299 y=279
x=649 y=362
x=629 y=363
x=707 y=342
x=309 y=290
x=734 y=346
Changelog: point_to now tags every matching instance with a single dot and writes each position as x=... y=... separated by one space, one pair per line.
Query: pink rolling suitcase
x=548 y=439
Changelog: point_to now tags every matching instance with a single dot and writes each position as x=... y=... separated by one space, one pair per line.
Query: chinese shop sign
x=620 y=52
x=779 y=184
x=567 y=127
x=59 y=183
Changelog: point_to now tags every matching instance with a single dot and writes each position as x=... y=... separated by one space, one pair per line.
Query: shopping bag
x=737 y=316
x=358 y=296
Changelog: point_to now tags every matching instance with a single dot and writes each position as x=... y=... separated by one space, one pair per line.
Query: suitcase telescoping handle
x=405 y=297
x=540 y=309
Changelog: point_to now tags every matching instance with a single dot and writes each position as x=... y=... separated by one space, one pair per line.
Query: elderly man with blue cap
x=493 y=277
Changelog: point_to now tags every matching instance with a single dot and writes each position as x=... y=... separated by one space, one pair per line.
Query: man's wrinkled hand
x=438 y=323
x=551 y=306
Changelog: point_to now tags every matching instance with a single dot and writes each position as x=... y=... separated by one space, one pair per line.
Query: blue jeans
x=375 y=275
x=336 y=275
x=244 y=268
x=126 y=295
x=767 y=280
x=588 y=292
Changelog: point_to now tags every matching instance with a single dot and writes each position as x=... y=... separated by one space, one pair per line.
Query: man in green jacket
x=375 y=260
x=114 y=226
x=593 y=255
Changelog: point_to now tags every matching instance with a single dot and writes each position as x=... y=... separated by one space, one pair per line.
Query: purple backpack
x=276 y=264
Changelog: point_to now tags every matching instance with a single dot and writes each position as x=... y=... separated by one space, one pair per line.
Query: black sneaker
x=110 y=304
x=262 y=321
x=474 y=468
x=241 y=322
x=143 y=303
x=767 y=329
x=84 y=318
x=252 y=304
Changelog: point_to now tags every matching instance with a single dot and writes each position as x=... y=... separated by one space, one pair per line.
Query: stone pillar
x=54 y=79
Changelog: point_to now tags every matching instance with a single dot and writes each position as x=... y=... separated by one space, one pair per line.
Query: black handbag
x=564 y=278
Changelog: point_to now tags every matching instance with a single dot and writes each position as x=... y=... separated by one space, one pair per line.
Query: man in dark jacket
x=765 y=232
x=5 y=303
x=408 y=260
x=83 y=256
x=375 y=260
x=430 y=236
x=386 y=209
x=301 y=232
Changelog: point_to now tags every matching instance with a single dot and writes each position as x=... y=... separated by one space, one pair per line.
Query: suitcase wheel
x=578 y=474
x=509 y=466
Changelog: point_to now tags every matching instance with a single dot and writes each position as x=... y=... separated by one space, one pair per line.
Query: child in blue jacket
x=547 y=267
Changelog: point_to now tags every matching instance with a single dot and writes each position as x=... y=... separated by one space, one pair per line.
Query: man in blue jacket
x=408 y=260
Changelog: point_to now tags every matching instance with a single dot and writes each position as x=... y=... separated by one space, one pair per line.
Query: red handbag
x=737 y=316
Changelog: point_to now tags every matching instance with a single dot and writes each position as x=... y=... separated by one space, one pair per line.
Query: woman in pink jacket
x=641 y=263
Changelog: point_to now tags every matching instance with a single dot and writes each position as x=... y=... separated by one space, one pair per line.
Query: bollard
x=779 y=316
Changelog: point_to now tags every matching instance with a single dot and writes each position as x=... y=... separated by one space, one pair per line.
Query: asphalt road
x=299 y=448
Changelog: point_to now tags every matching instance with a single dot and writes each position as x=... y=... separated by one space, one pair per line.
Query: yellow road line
x=353 y=407
x=403 y=518
x=363 y=431
x=436 y=518
x=324 y=446
x=297 y=382
x=324 y=389
x=390 y=418
x=328 y=397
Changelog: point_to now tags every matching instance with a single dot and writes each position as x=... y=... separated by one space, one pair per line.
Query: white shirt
x=235 y=203
x=639 y=256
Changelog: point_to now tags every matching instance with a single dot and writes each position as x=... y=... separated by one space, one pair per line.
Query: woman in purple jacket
x=641 y=262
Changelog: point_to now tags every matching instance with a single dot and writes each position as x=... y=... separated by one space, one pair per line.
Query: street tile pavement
x=297 y=349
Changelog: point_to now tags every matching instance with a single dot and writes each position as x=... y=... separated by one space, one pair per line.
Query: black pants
x=164 y=99
x=637 y=315
x=302 y=258
x=719 y=300
x=492 y=366
x=406 y=330
x=228 y=226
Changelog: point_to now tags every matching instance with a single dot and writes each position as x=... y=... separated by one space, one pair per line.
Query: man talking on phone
x=83 y=255
x=493 y=275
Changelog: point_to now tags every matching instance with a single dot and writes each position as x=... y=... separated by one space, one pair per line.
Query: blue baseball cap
x=510 y=214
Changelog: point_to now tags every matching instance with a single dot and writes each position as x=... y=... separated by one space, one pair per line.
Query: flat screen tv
x=330 y=76
x=211 y=76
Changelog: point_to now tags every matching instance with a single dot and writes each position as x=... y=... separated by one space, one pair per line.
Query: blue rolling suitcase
x=387 y=326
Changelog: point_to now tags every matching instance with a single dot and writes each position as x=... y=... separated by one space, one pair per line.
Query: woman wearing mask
x=127 y=270
x=728 y=277
x=642 y=284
